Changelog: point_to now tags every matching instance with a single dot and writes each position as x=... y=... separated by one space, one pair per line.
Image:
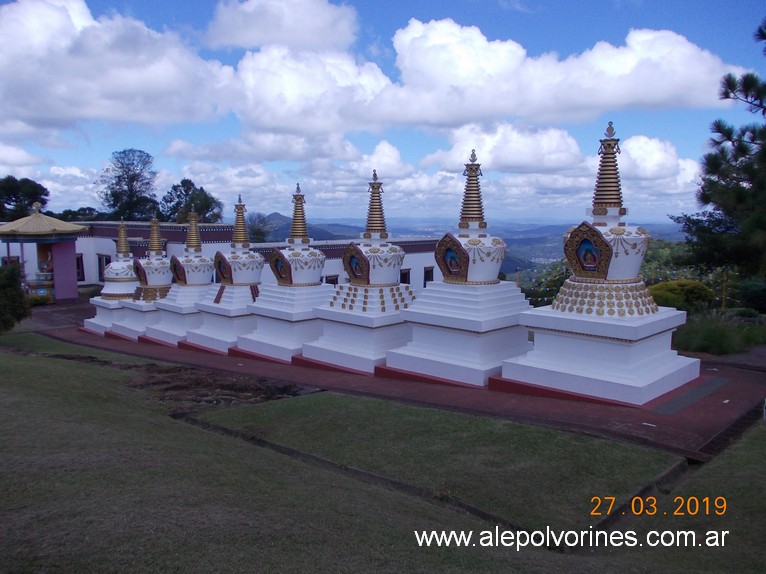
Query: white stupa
x=193 y=274
x=154 y=278
x=363 y=320
x=284 y=313
x=604 y=336
x=120 y=283
x=464 y=326
x=224 y=307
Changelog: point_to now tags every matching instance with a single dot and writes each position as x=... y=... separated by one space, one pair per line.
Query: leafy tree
x=129 y=185
x=185 y=197
x=79 y=214
x=258 y=227
x=18 y=195
x=733 y=230
x=13 y=304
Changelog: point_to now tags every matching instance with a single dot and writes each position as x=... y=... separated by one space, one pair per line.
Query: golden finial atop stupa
x=298 y=229
x=472 y=209
x=240 y=228
x=123 y=249
x=193 y=241
x=608 y=192
x=376 y=220
x=155 y=241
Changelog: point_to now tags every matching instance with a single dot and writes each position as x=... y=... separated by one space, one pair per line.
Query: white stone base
x=174 y=325
x=108 y=312
x=627 y=360
x=182 y=298
x=231 y=300
x=137 y=317
x=284 y=320
x=355 y=341
x=462 y=333
x=220 y=331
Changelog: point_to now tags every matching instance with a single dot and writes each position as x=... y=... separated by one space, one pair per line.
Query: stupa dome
x=240 y=266
x=153 y=272
x=299 y=264
x=193 y=267
x=471 y=256
x=605 y=255
x=374 y=261
x=120 y=279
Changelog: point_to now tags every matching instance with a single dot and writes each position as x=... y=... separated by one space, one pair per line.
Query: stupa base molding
x=231 y=300
x=278 y=338
x=138 y=316
x=174 y=324
x=625 y=361
x=355 y=341
x=219 y=332
x=108 y=312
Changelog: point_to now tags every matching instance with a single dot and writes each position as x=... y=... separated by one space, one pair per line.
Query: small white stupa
x=284 y=313
x=154 y=278
x=363 y=320
x=120 y=283
x=224 y=307
x=464 y=326
x=603 y=336
x=193 y=274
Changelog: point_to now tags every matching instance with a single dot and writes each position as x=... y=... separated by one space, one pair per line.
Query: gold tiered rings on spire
x=298 y=228
x=472 y=209
x=608 y=192
x=240 y=228
x=123 y=248
x=155 y=241
x=193 y=242
x=376 y=220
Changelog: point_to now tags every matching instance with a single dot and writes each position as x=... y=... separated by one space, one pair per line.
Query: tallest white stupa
x=603 y=337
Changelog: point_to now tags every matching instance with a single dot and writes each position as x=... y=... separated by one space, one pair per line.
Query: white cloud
x=15 y=157
x=59 y=67
x=298 y=24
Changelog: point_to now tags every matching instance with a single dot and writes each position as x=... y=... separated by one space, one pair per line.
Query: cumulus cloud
x=59 y=67
x=298 y=24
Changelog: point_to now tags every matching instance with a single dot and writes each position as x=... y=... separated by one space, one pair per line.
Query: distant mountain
x=319 y=231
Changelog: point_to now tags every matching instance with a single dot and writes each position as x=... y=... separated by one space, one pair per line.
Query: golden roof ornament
x=472 y=209
x=193 y=241
x=298 y=228
x=240 y=228
x=608 y=192
x=376 y=219
x=155 y=241
x=123 y=248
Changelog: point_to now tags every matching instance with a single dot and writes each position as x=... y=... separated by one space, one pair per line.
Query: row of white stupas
x=602 y=338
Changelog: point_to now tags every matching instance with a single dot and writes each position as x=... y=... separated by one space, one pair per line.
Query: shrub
x=13 y=303
x=719 y=333
x=683 y=294
x=752 y=293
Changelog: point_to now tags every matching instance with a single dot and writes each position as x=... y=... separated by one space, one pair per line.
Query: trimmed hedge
x=683 y=294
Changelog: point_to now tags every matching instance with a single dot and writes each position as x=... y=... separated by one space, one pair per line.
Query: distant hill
x=318 y=231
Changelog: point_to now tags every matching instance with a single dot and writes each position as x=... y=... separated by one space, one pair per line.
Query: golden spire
x=240 y=228
x=123 y=248
x=472 y=209
x=298 y=229
x=193 y=241
x=376 y=220
x=155 y=241
x=608 y=192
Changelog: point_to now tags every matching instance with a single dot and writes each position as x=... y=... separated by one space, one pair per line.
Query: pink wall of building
x=64 y=270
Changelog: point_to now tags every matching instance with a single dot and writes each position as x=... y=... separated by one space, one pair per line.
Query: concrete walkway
x=695 y=420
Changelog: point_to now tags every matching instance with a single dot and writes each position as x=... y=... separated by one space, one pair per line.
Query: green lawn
x=500 y=466
x=97 y=478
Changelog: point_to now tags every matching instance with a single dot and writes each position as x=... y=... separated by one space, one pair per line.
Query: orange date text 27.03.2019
x=648 y=506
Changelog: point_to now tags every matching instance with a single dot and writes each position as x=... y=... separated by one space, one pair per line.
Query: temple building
x=603 y=337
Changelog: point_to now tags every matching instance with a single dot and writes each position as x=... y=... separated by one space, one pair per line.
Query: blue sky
x=250 y=97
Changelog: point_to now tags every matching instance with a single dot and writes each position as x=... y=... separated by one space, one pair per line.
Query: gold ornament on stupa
x=298 y=228
x=193 y=241
x=607 y=192
x=155 y=241
x=240 y=228
x=472 y=209
x=376 y=219
x=123 y=248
